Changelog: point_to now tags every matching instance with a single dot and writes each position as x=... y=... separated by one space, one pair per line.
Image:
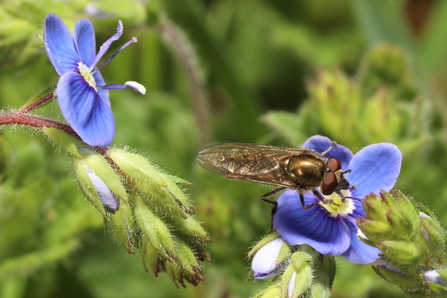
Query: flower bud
x=150 y=257
x=265 y=262
x=122 y=226
x=432 y=236
x=320 y=289
x=186 y=267
x=324 y=274
x=156 y=189
x=403 y=252
x=401 y=227
x=373 y=230
x=407 y=281
x=433 y=276
x=154 y=229
x=297 y=278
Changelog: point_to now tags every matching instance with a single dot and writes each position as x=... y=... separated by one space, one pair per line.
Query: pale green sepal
x=86 y=185
x=273 y=291
x=174 y=272
x=122 y=226
x=177 y=194
x=261 y=243
x=296 y=280
x=324 y=274
x=319 y=289
x=401 y=227
x=300 y=258
x=150 y=257
x=407 y=277
x=178 y=180
x=154 y=229
x=160 y=200
x=187 y=258
x=189 y=227
x=160 y=193
x=63 y=140
x=440 y=290
x=408 y=206
x=374 y=230
x=433 y=236
x=443 y=273
x=284 y=253
x=136 y=167
x=403 y=252
x=40 y=95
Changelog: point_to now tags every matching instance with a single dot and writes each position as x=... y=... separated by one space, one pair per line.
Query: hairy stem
x=22 y=119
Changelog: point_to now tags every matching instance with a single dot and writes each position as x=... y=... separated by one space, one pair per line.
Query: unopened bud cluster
x=412 y=242
x=302 y=272
x=143 y=208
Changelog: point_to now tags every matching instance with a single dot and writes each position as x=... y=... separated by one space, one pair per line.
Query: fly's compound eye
x=333 y=164
x=329 y=183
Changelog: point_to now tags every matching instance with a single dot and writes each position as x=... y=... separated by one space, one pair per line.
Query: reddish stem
x=23 y=119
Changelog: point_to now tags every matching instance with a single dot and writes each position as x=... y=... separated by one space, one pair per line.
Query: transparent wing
x=251 y=162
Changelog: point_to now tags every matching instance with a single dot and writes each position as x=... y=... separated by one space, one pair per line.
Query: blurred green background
x=253 y=71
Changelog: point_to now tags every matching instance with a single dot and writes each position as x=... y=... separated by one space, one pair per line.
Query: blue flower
x=82 y=93
x=331 y=228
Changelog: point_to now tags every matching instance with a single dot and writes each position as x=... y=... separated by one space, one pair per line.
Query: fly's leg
x=271 y=193
x=275 y=206
x=303 y=205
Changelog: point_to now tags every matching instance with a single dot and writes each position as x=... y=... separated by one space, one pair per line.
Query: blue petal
x=358 y=211
x=85 y=111
x=84 y=38
x=374 y=167
x=59 y=45
x=328 y=235
x=359 y=252
x=320 y=144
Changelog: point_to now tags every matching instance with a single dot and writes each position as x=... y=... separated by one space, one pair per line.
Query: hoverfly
x=299 y=169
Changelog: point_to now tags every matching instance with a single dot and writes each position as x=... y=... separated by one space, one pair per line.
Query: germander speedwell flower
x=331 y=228
x=82 y=93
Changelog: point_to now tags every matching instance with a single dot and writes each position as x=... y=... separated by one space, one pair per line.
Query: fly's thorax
x=305 y=170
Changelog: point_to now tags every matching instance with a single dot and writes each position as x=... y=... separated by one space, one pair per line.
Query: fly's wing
x=257 y=163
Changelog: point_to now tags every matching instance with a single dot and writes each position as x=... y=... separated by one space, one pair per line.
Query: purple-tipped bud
x=264 y=264
x=107 y=198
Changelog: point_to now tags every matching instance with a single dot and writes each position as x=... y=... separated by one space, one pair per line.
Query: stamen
x=103 y=49
x=130 y=84
x=134 y=39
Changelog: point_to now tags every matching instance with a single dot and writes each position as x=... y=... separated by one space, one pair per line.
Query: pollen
x=85 y=72
x=342 y=206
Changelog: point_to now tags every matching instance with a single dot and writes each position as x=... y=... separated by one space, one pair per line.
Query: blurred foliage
x=272 y=72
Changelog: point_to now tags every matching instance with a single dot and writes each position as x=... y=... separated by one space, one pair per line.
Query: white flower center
x=342 y=206
x=88 y=76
